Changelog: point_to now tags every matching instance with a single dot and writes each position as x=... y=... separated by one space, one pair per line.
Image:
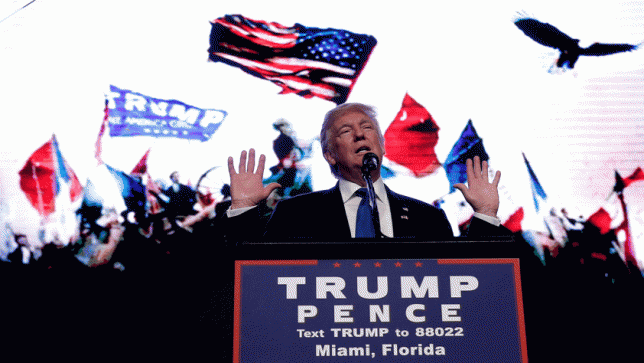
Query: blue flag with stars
x=310 y=62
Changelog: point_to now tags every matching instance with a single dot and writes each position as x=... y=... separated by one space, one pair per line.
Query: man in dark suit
x=348 y=133
x=181 y=198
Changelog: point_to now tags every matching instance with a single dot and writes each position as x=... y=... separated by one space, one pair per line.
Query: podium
x=375 y=301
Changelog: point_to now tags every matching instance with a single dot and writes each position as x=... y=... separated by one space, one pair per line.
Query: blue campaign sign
x=467 y=310
x=135 y=114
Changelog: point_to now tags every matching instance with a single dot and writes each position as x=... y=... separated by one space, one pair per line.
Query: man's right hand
x=246 y=187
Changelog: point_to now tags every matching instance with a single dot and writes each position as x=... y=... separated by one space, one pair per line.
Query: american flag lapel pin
x=404 y=216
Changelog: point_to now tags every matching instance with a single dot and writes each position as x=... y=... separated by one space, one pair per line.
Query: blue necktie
x=364 y=221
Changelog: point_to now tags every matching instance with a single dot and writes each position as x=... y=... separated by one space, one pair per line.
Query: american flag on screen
x=310 y=62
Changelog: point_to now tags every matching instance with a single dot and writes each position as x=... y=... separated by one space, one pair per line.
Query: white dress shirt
x=352 y=202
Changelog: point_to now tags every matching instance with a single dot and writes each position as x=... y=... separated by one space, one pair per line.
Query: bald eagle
x=548 y=35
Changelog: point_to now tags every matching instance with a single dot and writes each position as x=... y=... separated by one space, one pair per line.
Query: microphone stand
x=371 y=193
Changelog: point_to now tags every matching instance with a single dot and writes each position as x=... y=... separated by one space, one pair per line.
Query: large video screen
x=576 y=124
x=101 y=101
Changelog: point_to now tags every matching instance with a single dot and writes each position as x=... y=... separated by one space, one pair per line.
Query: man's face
x=352 y=136
x=174 y=177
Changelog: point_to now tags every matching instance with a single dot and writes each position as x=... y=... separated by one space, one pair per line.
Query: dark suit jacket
x=320 y=216
x=181 y=202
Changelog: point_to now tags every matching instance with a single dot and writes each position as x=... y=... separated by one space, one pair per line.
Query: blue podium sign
x=466 y=310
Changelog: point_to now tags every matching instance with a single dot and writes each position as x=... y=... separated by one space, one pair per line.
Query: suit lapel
x=337 y=216
x=400 y=214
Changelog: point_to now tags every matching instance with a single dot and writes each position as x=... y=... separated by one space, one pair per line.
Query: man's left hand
x=482 y=195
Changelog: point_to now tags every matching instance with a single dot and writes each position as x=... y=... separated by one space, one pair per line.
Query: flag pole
x=12 y=14
x=41 y=203
x=99 y=140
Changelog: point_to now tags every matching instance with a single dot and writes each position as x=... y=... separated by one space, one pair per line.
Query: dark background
x=177 y=305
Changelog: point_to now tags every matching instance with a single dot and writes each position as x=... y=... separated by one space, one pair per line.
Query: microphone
x=369 y=163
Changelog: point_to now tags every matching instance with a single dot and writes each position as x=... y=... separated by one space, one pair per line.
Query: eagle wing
x=599 y=49
x=544 y=33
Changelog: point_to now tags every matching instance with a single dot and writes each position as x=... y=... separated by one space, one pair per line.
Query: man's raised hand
x=482 y=195
x=246 y=187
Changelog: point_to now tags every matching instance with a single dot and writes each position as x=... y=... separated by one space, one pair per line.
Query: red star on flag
x=398 y=264
x=357 y=264
x=419 y=264
x=377 y=264
x=337 y=264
